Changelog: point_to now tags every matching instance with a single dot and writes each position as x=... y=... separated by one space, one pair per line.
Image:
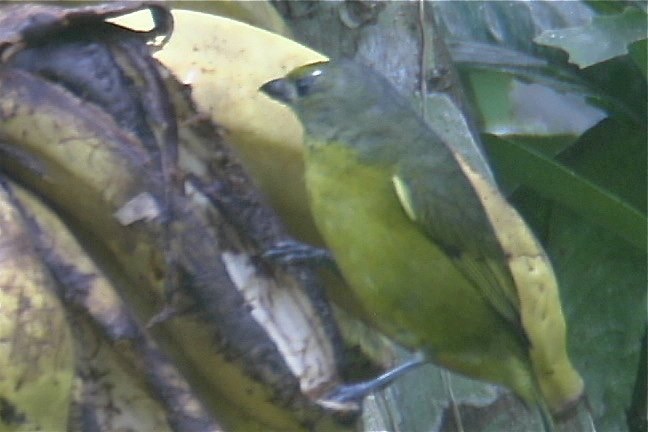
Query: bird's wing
x=492 y=246
x=441 y=201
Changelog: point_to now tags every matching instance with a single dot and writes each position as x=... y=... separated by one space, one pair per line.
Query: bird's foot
x=356 y=392
x=294 y=252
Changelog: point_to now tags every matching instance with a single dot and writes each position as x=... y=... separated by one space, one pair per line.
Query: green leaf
x=602 y=278
x=613 y=155
x=607 y=36
x=603 y=293
x=604 y=299
x=516 y=162
x=445 y=118
x=510 y=24
x=639 y=52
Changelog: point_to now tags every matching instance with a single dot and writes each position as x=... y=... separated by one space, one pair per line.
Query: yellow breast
x=408 y=287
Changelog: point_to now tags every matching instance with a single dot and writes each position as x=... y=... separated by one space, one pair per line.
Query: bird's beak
x=280 y=89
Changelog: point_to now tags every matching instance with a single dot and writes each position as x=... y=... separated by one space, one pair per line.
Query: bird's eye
x=305 y=85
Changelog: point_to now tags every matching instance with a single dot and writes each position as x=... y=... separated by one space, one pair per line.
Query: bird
x=437 y=258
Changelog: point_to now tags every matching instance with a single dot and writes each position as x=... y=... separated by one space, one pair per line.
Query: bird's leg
x=294 y=252
x=357 y=391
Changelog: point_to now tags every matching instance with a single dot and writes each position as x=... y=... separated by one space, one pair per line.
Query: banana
x=36 y=348
x=260 y=374
x=225 y=61
x=106 y=323
x=214 y=56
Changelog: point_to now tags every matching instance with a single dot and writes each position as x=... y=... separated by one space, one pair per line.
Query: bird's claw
x=358 y=391
x=293 y=252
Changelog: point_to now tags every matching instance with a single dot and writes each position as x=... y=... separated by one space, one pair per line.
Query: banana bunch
x=124 y=206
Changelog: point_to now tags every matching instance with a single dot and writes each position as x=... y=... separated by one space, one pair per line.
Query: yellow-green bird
x=436 y=256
